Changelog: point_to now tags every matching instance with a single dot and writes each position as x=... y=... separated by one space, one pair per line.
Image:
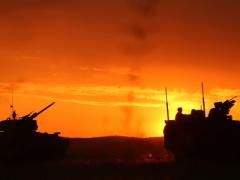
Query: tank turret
x=24 y=124
x=20 y=140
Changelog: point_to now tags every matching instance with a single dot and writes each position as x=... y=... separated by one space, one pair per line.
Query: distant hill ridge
x=117 y=148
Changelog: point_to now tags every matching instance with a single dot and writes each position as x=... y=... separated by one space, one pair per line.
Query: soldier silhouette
x=14 y=115
x=226 y=106
x=179 y=114
x=217 y=113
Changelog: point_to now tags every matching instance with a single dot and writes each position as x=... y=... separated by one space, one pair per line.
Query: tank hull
x=203 y=140
x=32 y=147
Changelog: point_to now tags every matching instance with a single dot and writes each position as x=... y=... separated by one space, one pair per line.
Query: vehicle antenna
x=12 y=105
x=167 y=104
x=203 y=101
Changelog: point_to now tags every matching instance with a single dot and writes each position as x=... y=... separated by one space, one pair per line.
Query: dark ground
x=119 y=158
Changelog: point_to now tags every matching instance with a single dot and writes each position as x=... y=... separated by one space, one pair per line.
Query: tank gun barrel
x=233 y=98
x=41 y=111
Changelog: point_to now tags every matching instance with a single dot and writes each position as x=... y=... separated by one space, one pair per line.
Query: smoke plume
x=145 y=8
x=131 y=123
x=142 y=28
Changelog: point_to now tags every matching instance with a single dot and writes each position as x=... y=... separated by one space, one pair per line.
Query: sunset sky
x=106 y=63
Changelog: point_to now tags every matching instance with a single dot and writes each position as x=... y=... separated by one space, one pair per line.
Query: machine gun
x=35 y=114
x=228 y=104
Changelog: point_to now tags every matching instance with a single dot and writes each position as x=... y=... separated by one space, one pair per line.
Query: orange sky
x=106 y=62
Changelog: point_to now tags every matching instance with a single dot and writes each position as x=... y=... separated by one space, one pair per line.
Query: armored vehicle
x=20 y=140
x=197 y=137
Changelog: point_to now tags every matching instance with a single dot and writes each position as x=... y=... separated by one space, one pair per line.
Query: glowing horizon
x=106 y=63
x=132 y=104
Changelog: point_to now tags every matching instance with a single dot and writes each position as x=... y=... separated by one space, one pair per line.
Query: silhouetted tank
x=20 y=140
x=196 y=137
